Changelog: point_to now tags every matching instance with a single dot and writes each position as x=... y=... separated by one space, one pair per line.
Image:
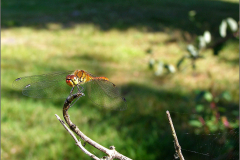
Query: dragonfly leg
x=80 y=90
x=76 y=100
x=72 y=90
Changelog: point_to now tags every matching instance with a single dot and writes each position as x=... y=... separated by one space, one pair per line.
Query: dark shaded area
x=145 y=124
x=145 y=15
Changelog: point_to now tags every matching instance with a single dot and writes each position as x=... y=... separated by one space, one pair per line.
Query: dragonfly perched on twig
x=53 y=85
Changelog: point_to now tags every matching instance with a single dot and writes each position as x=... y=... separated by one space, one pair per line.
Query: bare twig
x=176 y=144
x=112 y=153
x=78 y=143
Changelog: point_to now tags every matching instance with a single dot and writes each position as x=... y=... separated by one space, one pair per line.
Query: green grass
x=108 y=39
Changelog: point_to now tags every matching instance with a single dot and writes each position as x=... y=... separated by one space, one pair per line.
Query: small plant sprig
x=160 y=68
x=227 y=29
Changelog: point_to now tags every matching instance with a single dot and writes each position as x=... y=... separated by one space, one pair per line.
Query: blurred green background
x=114 y=39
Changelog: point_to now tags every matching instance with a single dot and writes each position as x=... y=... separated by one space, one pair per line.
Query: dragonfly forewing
x=51 y=85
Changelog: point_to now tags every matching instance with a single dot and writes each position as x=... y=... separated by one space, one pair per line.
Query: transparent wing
x=105 y=94
x=52 y=85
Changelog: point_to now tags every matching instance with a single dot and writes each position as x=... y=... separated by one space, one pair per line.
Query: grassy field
x=110 y=38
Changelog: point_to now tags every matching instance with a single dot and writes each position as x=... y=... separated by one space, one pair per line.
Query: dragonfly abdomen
x=100 y=78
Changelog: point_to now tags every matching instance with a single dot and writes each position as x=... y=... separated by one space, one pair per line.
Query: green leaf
x=192 y=50
x=212 y=127
x=208 y=96
x=223 y=28
x=232 y=24
x=227 y=96
x=234 y=125
x=211 y=124
x=199 y=108
x=207 y=36
x=192 y=15
x=201 y=42
x=195 y=123
x=171 y=68
x=159 y=70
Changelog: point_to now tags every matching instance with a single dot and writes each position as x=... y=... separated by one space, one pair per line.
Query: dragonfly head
x=71 y=80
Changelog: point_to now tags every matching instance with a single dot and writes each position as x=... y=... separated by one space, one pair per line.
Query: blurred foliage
x=201 y=43
x=210 y=117
x=214 y=116
x=213 y=112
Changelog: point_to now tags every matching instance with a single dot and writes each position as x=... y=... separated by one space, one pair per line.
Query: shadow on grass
x=144 y=125
x=145 y=15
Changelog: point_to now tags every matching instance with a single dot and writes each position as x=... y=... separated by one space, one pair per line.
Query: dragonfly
x=56 y=85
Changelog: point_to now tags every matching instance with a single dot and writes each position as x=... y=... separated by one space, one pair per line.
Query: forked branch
x=112 y=153
x=78 y=143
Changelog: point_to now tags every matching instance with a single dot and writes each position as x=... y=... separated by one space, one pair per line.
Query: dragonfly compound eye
x=70 y=80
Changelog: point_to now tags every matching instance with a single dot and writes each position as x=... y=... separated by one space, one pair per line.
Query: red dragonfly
x=53 y=85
